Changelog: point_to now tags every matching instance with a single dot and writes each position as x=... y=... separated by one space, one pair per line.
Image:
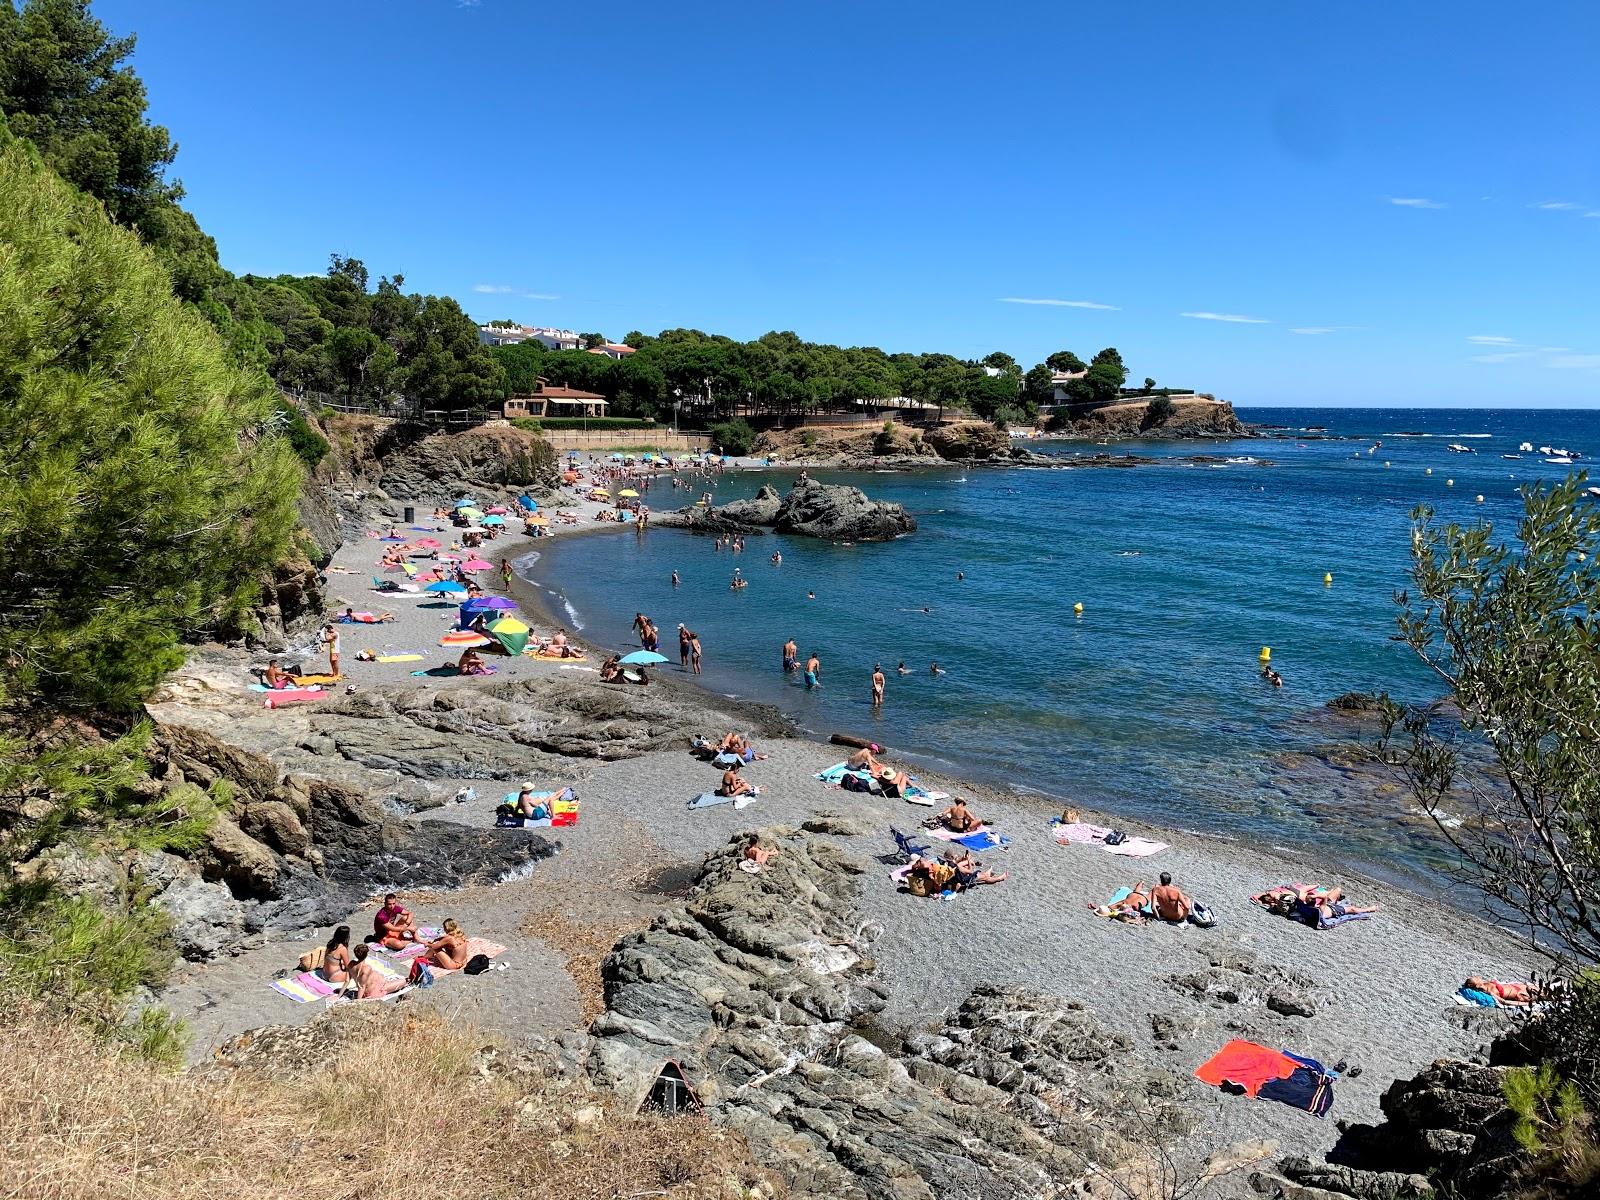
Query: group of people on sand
x=394 y=928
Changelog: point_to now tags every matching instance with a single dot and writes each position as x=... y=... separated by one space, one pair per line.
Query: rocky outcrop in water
x=761 y=986
x=809 y=509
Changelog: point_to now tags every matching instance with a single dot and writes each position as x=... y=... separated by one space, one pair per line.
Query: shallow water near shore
x=1150 y=702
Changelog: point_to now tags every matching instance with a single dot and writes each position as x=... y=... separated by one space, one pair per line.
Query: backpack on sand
x=1202 y=916
x=476 y=965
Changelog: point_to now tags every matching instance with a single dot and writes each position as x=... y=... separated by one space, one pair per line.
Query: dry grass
x=396 y=1105
x=581 y=923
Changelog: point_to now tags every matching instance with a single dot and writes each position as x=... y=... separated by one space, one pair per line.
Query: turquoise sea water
x=1150 y=702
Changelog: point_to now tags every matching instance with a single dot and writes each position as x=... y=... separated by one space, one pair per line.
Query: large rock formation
x=409 y=464
x=810 y=509
x=761 y=986
x=969 y=441
x=1132 y=419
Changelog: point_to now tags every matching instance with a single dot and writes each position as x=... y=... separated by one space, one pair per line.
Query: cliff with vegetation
x=1197 y=418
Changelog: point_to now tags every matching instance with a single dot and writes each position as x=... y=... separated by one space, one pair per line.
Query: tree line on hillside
x=781 y=373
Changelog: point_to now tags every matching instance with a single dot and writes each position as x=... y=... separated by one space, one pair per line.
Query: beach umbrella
x=616 y=458
x=643 y=658
x=628 y=492
x=471 y=514
x=494 y=520
x=499 y=510
x=486 y=603
x=446 y=585
x=526 y=502
x=510 y=633
x=464 y=639
x=536 y=519
x=476 y=564
x=429 y=543
x=465 y=502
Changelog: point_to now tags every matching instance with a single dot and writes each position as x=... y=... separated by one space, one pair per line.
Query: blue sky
x=1359 y=203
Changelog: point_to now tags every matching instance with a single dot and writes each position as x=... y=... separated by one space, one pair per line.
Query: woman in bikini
x=335 y=966
x=449 y=950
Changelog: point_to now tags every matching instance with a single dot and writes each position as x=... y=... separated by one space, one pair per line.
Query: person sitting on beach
x=371 y=983
x=1169 y=902
x=558 y=643
x=862 y=760
x=275 y=676
x=335 y=966
x=958 y=818
x=611 y=670
x=449 y=949
x=893 y=782
x=753 y=851
x=969 y=872
x=734 y=784
x=393 y=925
x=471 y=663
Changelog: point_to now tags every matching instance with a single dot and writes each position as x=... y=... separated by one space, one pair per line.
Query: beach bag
x=851 y=782
x=476 y=965
x=421 y=976
x=313 y=958
x=1202 y=916
x=1116 y=837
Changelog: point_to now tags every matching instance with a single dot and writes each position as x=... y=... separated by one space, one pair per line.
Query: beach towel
x=1245 y=1064
x=294 y=696
x=391 y=658
x=475 y=947
x=261 y=687
x=305 y=987
x=916 y=794
x=1472 y=996
x=711 y=799
x=445 y=672
x=1137 y=847
x=1079 y=834
x=1117 y=897
x=985 y=839
x=1331 y=922
x=309 y=680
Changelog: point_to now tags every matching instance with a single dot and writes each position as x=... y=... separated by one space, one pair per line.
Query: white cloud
x=1555 y=349
x=1578 y=362
x=1414 y=202
x=1060 y=303
x=1558 y=206
x=505 y=289
x=1592 y=214
x=1500 y=358
x=1488 y=339
x=1315 y=330
x=1232 y=318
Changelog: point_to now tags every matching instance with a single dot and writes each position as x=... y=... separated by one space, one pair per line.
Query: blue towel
x=708 y=799
x=983 y=841
x=1481 y=999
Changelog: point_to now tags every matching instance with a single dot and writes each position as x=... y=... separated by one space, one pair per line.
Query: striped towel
x=304 y=987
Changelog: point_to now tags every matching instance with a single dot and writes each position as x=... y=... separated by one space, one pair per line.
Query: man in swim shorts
x=813 y=671
x=791 y=657
x=1169 y=902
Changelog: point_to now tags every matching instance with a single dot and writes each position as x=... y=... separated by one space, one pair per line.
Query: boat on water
x=1526 y=447
x=1511 y=456
x=1592 y=491
x=1559 y=460
x=1458 y=448
x=1244 y=459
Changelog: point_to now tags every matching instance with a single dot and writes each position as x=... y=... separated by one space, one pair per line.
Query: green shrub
x=531 y=424
x=809 y=439
x=1159 y=410
x=733 y=437
x=309 y=445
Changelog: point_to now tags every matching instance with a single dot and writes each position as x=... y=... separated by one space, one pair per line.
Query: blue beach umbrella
x=466 y=502
x=527 y=502
x=494 y=521
x=643 y=658
x=446 y=585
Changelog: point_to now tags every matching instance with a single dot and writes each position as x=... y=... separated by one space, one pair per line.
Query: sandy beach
x=1379 y=990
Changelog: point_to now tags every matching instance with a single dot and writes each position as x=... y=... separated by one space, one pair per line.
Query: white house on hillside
x=512 y=335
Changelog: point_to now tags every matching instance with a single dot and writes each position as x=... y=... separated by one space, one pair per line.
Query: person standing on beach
x=683 y=646
x=694 y=651
x=505 y=573
x=877 y=685
x=813 y=671
x=791 y=657
x=330 y=639
x=640 y=624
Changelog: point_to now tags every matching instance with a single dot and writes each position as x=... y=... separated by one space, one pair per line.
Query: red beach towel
x=1246 y=1064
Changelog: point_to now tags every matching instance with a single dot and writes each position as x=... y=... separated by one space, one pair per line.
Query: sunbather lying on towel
x=351 y=617
x=1508 y=993
x=1133 y=906
x=1311 y=905
x=449 y=950
x=969 y=872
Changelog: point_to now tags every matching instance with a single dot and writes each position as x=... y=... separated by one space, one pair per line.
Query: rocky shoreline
x=867 y=1043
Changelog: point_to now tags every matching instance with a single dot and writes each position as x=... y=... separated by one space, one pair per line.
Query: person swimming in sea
x=811 y=595
x=902 y=669
x=960 y=575
x=1271 y=676
x=935 y=669
x=777 y=558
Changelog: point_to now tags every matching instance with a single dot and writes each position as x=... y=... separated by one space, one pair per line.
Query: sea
x=1148 y=701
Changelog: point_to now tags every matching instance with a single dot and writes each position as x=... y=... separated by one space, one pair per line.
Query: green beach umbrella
x=510 y=633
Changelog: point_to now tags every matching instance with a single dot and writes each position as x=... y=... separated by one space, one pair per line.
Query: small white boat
x=1458 y=448
x=1245 y=459
x=1559 y=460
x=1511 y=456
x=1526 y=447
x=1592 y=491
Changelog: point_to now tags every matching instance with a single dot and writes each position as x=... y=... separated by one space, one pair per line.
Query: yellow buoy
x=1078 y=609
x=1266 y=654
x=1327 y=579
